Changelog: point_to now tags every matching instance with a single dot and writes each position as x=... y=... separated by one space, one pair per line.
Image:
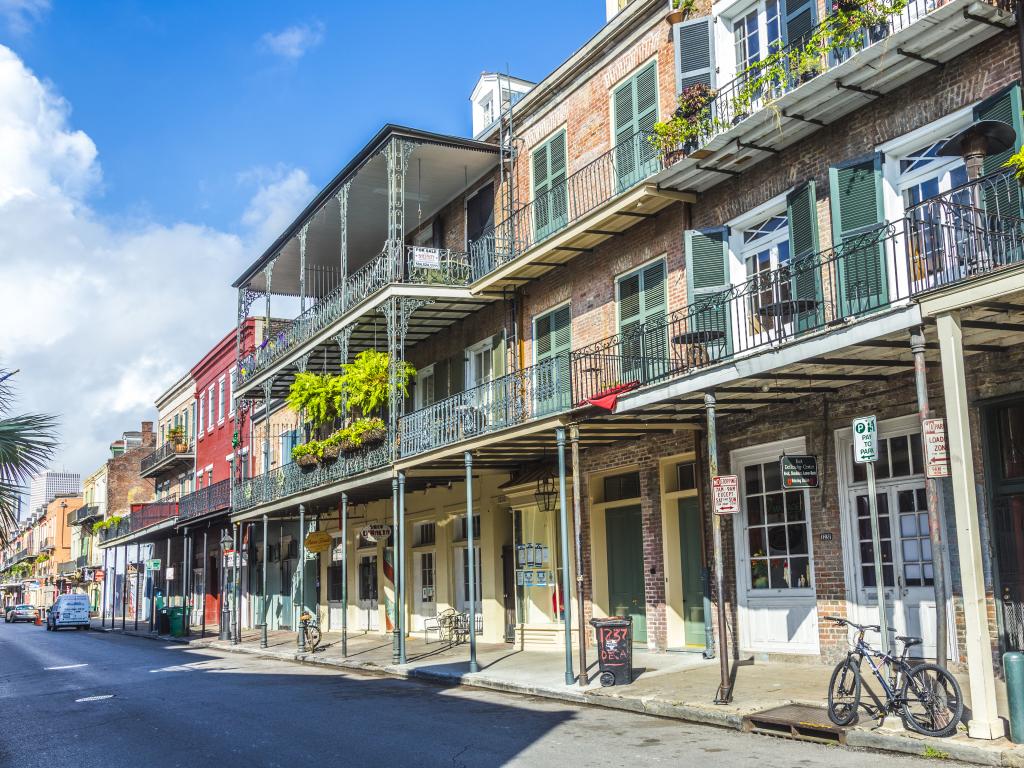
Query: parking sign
x=725 y=492
x=865 y=440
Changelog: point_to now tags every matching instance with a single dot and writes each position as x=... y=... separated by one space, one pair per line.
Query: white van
x=69 y=611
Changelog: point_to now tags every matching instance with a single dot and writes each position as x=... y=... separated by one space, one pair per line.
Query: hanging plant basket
x=308 y=462
x=331 y=452
x=374 y=436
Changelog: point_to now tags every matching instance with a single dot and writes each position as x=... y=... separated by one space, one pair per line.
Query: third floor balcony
x=172 y=456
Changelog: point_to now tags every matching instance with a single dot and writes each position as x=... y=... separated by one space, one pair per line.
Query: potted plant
x=331 y=447
x=176 y=437
x=307 y=455
x=807 y=63
x=692 y=121
x=680 y=11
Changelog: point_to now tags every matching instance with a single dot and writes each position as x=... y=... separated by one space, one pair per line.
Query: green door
x=624 y=533
x=691 y=551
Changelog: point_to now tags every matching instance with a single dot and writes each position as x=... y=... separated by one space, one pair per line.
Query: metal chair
x=443 y=624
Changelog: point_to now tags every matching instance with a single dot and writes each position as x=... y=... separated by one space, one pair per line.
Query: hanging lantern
x=545 y=493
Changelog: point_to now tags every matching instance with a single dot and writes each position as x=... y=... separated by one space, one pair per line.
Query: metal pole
x=103 y=599
x=236 y=586
x=202 y=603
x=223 y=632
x=263 y=611
x=302 y=575
x=138 y=557
x=724 y=694
x=876 y=545
x=471 y=554
x=124 y=587
x=189 y=587
x=931 y=485
x=401 y=568
x=344 y=575
x=396 y=643
x=563 y=521
x=577 y=519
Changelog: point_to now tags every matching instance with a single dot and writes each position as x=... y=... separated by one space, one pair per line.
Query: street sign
x=153 y=565
x=169 y=574
x=936 y=456
x=318 y=541
x=799 y=471
x=725 y=492
x=865 y=440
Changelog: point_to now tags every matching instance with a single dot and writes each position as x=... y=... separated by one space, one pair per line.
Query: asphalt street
x=88 y=699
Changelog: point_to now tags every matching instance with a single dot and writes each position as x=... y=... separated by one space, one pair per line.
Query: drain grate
x=796 y=721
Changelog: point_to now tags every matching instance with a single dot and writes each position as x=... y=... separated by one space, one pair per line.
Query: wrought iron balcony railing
x=212 y=498
x=540 y=390
x=424 y=266
x=289 y=479
x=618 y=170
x=87 y=514
x=164 y=453
x=959 y=235
x=81 y=561
x=141 y=516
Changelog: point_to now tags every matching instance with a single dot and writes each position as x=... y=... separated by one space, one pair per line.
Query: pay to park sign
x=865 y=440
x=725 y=493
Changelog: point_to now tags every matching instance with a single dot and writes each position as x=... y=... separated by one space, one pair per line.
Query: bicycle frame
x=897 y=666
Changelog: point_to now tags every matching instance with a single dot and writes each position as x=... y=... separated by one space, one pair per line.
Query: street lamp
x=225 y=615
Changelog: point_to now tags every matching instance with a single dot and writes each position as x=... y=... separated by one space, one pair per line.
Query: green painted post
x=1013 y=667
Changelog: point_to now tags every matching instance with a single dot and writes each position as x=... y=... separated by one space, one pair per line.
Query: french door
x=424 y=594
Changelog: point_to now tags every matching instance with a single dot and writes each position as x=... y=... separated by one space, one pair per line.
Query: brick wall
x=124 y=485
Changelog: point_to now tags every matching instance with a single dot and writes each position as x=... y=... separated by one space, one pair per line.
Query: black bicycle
x=925 y=696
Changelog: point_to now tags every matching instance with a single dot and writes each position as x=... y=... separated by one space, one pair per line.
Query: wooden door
x=624 y=530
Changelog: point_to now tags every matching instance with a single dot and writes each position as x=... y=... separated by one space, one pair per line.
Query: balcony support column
x=302 y=578
x=246 y=297
x=302 y=266
x=985 y=722
x=138 y=557
x=577 y=520
x=402 y=613
x=342 y=198
x=397 y=313
x=202 y=602
x=234 y=584
x=263 y=587
x=917 y=346
x=563 y=524
x=396 y=652
x=397 y=155
x=471 y=560
x=124 y=587
x=268 y=276
x=344 y=574
x=103 y=596
x=267 y=387
x=724 y=694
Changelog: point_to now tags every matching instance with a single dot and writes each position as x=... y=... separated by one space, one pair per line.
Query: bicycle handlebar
x=862 y=627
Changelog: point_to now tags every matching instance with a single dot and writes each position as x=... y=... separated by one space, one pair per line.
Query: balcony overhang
x=910 y=51
x=439 y=168
x=167 y=460
x=609 y=220
x=362 y=489
x=447 y=305
x=1003 y=286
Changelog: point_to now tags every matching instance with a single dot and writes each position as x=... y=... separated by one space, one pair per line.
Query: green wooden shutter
x=456 y=373
x=1002 y=199
x=709 y=289
x=549 y=172
x=856 y=203
x=553 y=335
x=695 y=53
x=642 y=310
x=440 y=380
x=805 y=262
x=801 y=17
x=635 y=108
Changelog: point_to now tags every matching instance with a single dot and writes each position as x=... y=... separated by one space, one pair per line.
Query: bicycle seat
x=909 y=641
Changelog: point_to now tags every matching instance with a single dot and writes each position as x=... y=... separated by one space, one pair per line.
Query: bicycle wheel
x=932 y=701
x=312 y=638
x=844 y=693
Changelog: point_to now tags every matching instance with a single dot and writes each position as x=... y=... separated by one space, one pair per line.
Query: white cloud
x=293 y=42
x=101 y=317
x=20 y=15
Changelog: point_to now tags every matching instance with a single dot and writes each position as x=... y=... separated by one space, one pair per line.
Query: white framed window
x=221 y=392
x=231 y=402
x=425 y=386
x=199 y=417
x=756 y=33
x=480 y=358
x=210 y=394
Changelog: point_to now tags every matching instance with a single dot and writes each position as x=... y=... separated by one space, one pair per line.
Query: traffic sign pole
x=724 y=695
x=876 y=546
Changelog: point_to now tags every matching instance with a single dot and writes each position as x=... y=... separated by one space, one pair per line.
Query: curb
x=858 y=737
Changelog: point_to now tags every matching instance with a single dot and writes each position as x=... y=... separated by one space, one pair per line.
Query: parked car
x=68 y=611
x=23 y=612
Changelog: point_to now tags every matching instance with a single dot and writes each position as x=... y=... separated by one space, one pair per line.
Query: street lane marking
x=67 y=666
x=95 y=698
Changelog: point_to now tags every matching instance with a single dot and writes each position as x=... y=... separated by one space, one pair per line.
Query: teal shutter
x=553 y=338
x=644 y=336
x=1002 y=199
x=695 y=53
x=635 y=111
x=800 y=20
x=709 y=290
x=805 y=262
x=856 y=203
x=549 y=194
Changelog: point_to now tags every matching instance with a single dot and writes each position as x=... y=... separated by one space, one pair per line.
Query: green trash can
x=176 y=618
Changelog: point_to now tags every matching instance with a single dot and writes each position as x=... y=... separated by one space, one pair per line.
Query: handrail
x=164 y=452
x=204 y=500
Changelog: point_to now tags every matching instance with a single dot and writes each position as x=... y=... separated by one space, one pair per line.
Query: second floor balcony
x=141 y=518
x=87 y=514
x=204 y=501
x=172 y=456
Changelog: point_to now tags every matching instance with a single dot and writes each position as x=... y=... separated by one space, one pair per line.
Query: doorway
x=508 y=588
x=624 y=532
x=424 y=600
x=691 y=550
x=369 y=615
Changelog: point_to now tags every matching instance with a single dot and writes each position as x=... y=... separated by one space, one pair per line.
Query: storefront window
x=535 y=567
x=777 y=531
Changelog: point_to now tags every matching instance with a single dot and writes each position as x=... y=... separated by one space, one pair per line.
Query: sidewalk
x=671 y=685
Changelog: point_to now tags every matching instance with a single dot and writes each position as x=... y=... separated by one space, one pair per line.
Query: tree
x=27 y=442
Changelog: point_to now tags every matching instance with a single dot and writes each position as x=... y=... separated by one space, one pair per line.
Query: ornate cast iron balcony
x=950 y=239
x=167 y=454
x=87 y=514
x=142 y=516
x=212 y=498
x=290 y=479
x=534 y=392
x=420 y=266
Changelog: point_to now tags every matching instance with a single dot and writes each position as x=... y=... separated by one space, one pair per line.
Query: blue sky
x=185 y=99
x=151 y=150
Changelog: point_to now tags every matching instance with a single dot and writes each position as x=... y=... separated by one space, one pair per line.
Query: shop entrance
x=624 y=531
x=691 y=550
x=369 y=615
x=1005 y=462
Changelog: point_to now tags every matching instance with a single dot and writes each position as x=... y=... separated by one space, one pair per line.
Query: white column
x=985 y=722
